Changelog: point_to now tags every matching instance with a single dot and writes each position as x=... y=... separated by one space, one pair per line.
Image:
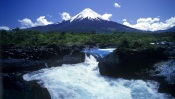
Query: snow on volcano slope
x=87 y=13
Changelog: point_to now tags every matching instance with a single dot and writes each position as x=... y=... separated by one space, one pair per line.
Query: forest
x=36 y=38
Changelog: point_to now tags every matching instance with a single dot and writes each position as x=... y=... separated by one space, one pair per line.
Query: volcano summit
x=85 y=22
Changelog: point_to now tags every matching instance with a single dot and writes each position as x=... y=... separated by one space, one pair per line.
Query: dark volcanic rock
x=165 y=87
x=127 y=62
x=170 y=52
x=108 y=45
x=14 y=87
x=164 y=73
x=20 y=65
x=137 y=64
x=16 y=60
x=52 y=55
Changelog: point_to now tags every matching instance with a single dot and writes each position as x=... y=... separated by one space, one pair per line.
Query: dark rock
x=74 y=57
x=127 y=62
x=90 y=44
x=53 y=46
x=17 y=60
x=165 y=87
x=137 y=64
x=14 y=87
x=52 y=54
x=107 y=45
x=20 y=65
x=108 y=64
x=170 y=52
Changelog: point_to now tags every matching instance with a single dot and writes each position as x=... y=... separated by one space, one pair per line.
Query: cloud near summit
x=106 y=16
x=66 y=16
x=27 y=23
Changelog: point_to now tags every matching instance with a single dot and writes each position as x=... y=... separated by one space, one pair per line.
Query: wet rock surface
x=17 y=60
x=123 y=61
x=138 y=64
x=14 y=87
x=20 y=65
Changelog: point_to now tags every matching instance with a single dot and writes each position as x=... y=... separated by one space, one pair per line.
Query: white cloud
x=106 y=16
x=151 y=24
x=117 y=5
x=147 y=20
x=171 y=21
x=27 y=23
x=4 y=28
x=42 y=21
x=65 y=16
x=124 y=20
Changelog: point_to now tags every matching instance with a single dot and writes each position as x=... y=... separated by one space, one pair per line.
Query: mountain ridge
x=172 y=29
x=86 y=21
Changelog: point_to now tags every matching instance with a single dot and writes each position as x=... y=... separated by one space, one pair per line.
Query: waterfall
x=98 y=53
x=83 y=81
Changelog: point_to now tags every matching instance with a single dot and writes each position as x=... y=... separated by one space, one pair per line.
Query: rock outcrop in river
x=138 y=64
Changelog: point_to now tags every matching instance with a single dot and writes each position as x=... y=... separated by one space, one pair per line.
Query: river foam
x=83 y=81
x=167 y=70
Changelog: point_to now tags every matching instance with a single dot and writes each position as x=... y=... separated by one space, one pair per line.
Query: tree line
x=36 y=38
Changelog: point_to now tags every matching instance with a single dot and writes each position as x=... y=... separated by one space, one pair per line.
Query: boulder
x=20 y=65
x=137 y=64
x=14 y=87
x=129 y=62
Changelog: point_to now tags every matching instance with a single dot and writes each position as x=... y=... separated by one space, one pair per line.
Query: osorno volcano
x=86 y=21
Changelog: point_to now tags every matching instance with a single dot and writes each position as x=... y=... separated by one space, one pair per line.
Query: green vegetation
x=36 y=38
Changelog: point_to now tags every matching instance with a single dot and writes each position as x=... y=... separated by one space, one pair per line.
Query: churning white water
x=83 y=81
x=166 y=70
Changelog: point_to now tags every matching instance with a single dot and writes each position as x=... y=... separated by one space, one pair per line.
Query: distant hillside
x=86 y=21
x=168 y=30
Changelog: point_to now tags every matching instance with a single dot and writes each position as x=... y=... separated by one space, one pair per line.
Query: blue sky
x=142 y=14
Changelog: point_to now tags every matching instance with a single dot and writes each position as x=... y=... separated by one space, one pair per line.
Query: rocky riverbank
x=14 y=87
x=124 y=63
x=138 y=64
x=52 y=55
x=18 y=60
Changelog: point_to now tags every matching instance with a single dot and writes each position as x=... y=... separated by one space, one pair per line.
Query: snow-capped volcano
x=87 y=13
x=86 y=21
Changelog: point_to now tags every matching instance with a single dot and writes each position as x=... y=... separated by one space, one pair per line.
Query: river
x=83 y=81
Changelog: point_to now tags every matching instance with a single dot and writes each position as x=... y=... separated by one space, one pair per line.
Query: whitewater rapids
x=83 y=81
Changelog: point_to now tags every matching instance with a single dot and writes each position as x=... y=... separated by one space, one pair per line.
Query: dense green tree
x=36 y=38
